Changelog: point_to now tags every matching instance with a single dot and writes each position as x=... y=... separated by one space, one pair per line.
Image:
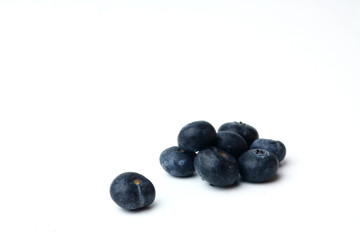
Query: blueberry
x=196 y=135
x=131 y=190
x=216 y=167
x=177 y=162
x=257 y=165
x=248 y=132
x=231 y=143
x=275 y=147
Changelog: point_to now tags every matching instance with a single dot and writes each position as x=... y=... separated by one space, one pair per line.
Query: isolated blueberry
x=231 y=143
x=275 y=147
x=177 y=162
x=257 y=165
x=131 y=190
x=196 y=135
x=216 y=167
x=248 y=132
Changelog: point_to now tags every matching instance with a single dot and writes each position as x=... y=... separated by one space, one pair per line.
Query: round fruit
x=196 y=135
x=232 y=143
x=248 y=132
x=275 y=147
x=177 y=162
x=216 y=167
x=131 y=190
x=257 y=165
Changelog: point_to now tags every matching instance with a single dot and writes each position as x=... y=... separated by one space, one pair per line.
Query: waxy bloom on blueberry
x=177 y=162
x=131 y=190
x=196 y=135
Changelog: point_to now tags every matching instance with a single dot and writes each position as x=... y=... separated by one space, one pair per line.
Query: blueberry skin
x=275 y=147
x=196 y=135
x=231 y=143
x=257 y=165
x=177 y=162
x=216 y=167
x=131 y=190
x=248 y=132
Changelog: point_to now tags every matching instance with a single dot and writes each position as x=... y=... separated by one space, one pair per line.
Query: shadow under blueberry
x=273 y=180
x=145 y=209
x=284 y=163
x=186 y=177
x=227 y=188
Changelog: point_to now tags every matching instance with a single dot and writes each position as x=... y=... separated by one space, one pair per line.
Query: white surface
x=90 y=90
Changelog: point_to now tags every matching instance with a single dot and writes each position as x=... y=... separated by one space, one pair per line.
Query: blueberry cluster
x=221 y=157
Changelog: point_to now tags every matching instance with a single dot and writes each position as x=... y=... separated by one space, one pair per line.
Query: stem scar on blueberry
x=136 y=181
x=259 y=151
x=180 y=150
x=222 y=154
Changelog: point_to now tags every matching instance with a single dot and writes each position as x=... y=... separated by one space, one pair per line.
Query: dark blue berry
x=196 y=135
x=132 y=191
x=257 y=165
x=177 y=162
x=275 y=147
x=231 y=143
x=216 y=167
x=248 y=132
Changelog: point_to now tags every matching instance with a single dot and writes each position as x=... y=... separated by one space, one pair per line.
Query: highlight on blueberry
x=177 y=162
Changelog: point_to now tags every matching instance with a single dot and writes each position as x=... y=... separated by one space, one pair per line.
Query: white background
x=91 y=89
